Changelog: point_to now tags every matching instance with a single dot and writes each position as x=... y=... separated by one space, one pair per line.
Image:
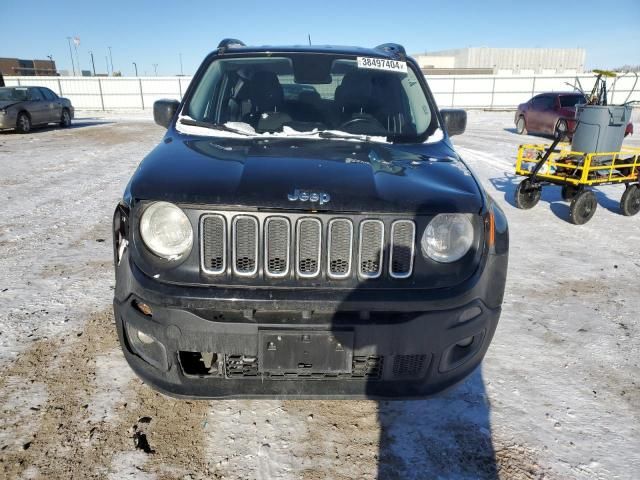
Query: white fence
x=464 y=91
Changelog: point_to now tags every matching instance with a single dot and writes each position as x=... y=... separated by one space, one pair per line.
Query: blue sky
x=148 y=32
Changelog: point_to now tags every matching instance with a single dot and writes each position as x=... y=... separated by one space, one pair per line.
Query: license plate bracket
x=284 y=352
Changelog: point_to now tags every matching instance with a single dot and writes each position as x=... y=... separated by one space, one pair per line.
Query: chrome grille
x=371 y=248
x=296 y=245
x=308 y=243
x=277 y=241
x=403 y=233
x=214 y=244
x=340 y=248
x=245 y=245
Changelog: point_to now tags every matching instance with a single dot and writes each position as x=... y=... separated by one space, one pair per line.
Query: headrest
x=266 y=92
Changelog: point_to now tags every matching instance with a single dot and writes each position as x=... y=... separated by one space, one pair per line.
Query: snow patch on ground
x=113 y=375
x=129 y=465
x=21 y=411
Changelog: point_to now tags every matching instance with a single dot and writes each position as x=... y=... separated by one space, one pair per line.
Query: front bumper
x=8 y=120
x=411 y=338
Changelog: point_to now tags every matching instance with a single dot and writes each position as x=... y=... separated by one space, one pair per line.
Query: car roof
x=330 y=49
x=557 y=94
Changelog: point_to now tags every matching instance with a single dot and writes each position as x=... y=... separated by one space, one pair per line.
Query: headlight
x=166 y=230
x=448 y=237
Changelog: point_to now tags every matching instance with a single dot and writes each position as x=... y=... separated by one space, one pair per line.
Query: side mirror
x=164 y=110
x=455 y=121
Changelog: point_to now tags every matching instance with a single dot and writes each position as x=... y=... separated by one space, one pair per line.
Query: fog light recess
x=147 y=347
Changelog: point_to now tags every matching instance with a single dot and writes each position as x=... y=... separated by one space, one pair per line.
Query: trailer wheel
x=583 y=207
x=527 y=195
x=569 y=192
x=630 y=203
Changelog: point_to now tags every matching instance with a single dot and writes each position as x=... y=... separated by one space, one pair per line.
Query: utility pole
x=75 y=45
x=50 y=57
x=155 y=68
x=106 y=62
x=135 y=65
x=73 y=67
x=93 y=63
x=111 y=59
x=181 y=72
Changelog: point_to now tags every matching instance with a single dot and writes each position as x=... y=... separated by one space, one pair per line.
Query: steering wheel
x=358 y=120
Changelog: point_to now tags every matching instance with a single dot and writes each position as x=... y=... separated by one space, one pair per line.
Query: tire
x=527 y=196
x=23 y=123
x=65 y=119
x=521 y=126
x=630 y=203
x=562 y=126
x=569 y=192
x=583 y=207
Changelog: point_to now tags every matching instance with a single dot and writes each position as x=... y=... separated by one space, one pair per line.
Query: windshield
x=16 y=94
x=306 y=92
x=571 y=100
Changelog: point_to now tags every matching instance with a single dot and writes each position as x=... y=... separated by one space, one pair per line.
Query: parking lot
x=558 y=395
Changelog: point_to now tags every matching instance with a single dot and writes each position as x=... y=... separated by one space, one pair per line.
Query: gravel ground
x=557 y=396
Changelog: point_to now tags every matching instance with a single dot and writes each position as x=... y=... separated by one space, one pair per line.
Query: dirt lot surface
x=558 y=395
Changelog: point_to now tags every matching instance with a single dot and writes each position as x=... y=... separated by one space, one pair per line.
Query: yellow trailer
x=557 y=164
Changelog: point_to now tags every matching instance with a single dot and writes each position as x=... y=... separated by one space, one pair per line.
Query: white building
x=504 y=60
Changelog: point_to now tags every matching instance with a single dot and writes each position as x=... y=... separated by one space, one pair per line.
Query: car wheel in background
x=583 y=207
x=562 y=131
x=630 y=203
x=23 y=123
x=65 y=120
x=527 y=195
x=521 y=126
x=568 y=192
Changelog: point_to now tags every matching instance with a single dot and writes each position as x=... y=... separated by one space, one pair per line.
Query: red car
x=547 y=113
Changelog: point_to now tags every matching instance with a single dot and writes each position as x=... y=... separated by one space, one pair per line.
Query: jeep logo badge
x=305 y=196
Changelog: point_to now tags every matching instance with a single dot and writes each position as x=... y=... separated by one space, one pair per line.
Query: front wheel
x=23 y=123
x=630 y=203
x=583 y=207
x=527 y=195
x=521 y=126
x=65 y=119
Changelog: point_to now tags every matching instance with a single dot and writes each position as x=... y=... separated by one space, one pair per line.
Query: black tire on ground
x=527 y=195
x=630 y=203
x=521 y=126
x=568 y=192
x=23 y=123
x=562 y=130
x=65 y=119
x=583 y=207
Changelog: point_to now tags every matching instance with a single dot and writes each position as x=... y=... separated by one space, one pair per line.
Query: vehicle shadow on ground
x=551 y=194
x=75 y=124
x=528 y=135
x=448 y=436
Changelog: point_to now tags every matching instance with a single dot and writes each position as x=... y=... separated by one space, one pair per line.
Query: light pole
x=155 y=68
x=93 y=63
x=111 y=60
x=181 y=72
x=73 y=67
x=135 y=65
x=106 y=61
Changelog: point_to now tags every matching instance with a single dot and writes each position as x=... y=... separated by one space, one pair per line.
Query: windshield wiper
x=214 y=126
x=346 y=135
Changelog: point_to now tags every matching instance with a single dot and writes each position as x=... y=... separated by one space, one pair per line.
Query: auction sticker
x=382 y=64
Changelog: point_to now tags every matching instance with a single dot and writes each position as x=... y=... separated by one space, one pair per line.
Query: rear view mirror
x=164 y=110
x=455 y=121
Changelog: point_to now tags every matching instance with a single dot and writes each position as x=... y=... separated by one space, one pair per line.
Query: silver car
x=22 y=108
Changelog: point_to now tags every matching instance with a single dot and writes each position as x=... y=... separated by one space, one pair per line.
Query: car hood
x=349 y=176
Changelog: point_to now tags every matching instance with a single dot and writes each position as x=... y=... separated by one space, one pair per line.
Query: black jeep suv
x=306 y=229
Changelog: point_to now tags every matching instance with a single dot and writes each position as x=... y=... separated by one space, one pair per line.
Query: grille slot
x=214 y=244
x=403 y=233
x=367 y=366
x=277 y=244
x=340 y=248
x=245 y=245
x=309 y=242
x=409 y=365
x=371 y=248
